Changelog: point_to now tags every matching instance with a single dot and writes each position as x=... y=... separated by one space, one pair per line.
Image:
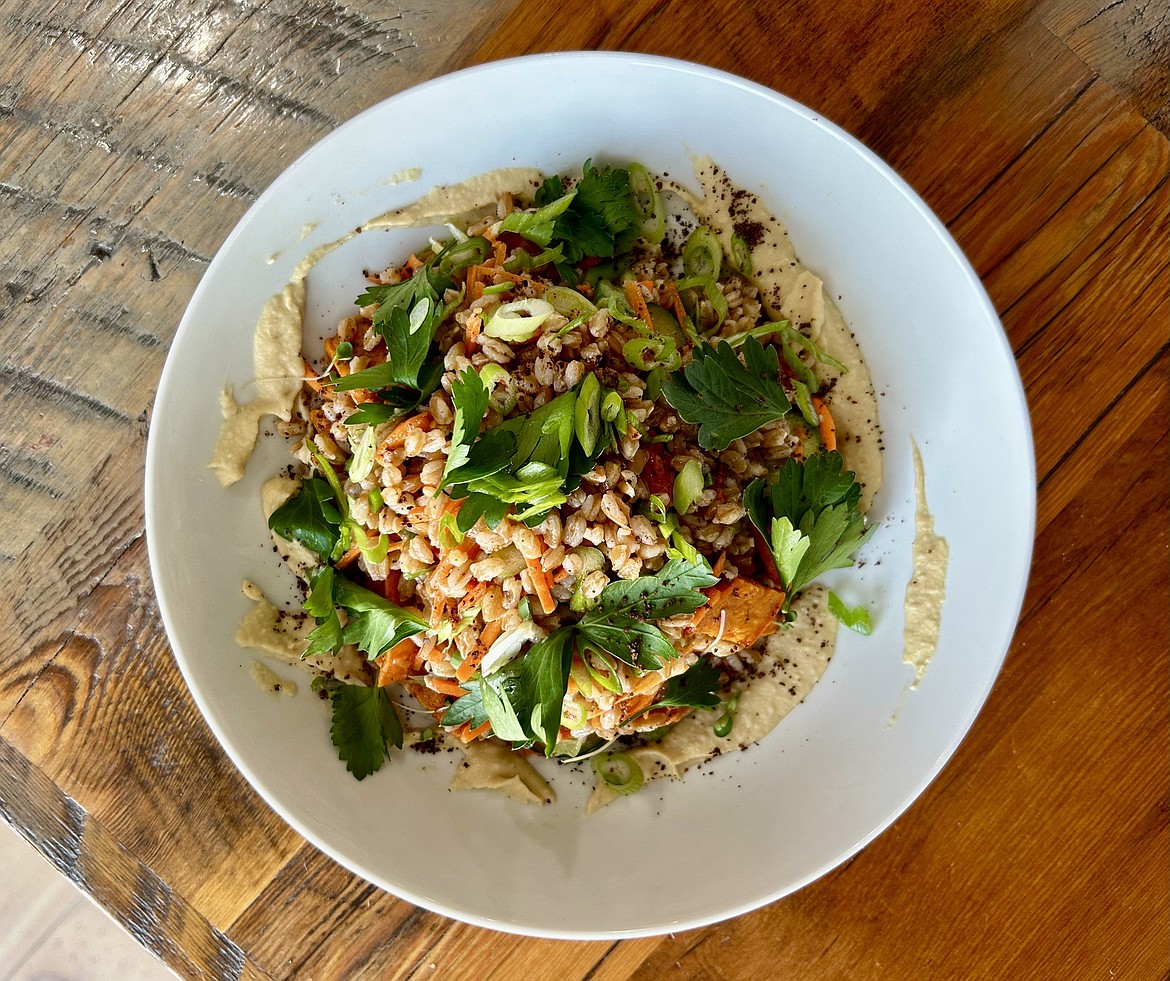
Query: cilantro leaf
x=728 y=398
x=364 y=722
x=811 y=518
x=310 y=517
x=470 y=397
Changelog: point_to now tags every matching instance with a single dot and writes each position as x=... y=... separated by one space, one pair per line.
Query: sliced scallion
x=568 y=302
x=855 y=618
x=362 y=461
x=501 y=388
x=645 y=353
x=741 y=255
x=518 y=320
x=688 y=485
x=648 y=203
x=587 y=413
x=702 y=254
x=620 y=772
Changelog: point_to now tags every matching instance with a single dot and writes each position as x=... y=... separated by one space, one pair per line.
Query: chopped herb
x=364 y=723
x=810 y=516
x=310 y=517
x=470 y=397
x=855 y=618
x=727 y=397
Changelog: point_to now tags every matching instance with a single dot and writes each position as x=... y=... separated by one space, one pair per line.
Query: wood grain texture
x=132 y=138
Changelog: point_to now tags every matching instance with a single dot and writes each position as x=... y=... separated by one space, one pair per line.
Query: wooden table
x=133 y=135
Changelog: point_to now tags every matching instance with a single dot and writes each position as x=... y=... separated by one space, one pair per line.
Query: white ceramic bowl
x=744 y=830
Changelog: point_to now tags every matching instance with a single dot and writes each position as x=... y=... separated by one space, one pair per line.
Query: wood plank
x=1108 y=185
x=133 y=136
x=1128 y=42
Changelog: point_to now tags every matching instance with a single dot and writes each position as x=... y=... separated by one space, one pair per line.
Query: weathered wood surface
x=132 y=137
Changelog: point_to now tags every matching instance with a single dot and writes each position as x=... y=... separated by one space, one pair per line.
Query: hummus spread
x=924 y=591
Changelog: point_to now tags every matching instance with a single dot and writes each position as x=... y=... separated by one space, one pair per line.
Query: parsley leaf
x=470 y=396
x=375 y=623
x=600 y=221
x=478 y=505
x=408 y=342
x=310 y=517
x=811 y=518
x=726 y=397
x=538 y=226
x=364 y=722
x=372 y=414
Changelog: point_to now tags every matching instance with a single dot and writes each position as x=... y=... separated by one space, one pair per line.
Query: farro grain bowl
x=563 y=480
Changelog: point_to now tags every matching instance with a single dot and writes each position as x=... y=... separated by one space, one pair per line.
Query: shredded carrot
x=635 y=704
x=348 y=558
x=541 y=584
x=432 y=701
x=675 y=300
x=501 y=253
x=487 y=637
x=466 y=734
x=491 y=633
x=447 y=686
x=390 y=586
x=717 y=568
x=399 y=433
x=638 y=302
x=413 y=263
x=473 y=595
x=474 y=287
x=828 y=427
x=395 y=664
